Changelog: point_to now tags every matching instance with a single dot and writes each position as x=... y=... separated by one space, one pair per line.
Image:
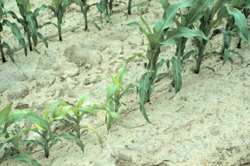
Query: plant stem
x=2 y=54
x=59 y=28
x=106 y=6
x=28 y=38
x=85 y=19
x=45 y=144
x=129 y=7
x=78 y=129
x=200 y=57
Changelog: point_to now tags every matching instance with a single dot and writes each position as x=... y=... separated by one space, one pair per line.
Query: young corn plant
x=84 y=9
x=115 y=93
x=43 y=128
x=59 y=9
x=106 y=7
x=15 y=30
x=74 y=121
x=6 y=120
x=29 y=21
x=160 y=36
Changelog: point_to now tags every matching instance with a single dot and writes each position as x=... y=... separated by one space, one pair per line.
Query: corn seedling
x=84 y=9
x=115 y=93
x=29 y=21
x=74 y=121
x=106 y=7
x=143 y=8
x=43 y=128
x=8 y=119
x=15 y=30
x=59 y=9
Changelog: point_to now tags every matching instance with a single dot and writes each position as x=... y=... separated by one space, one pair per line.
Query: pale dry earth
x=206 y=124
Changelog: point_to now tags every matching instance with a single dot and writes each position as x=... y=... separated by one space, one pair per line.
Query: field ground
x=206 y=124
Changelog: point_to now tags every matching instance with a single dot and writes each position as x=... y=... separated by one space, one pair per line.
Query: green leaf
x=21 y=158
x=16 y=32
x=57 y=3
x=143 y=94
x=197 y=11
x=240 y=22
x=54 y=143
x=114 y=115
x=68 y=124
x=164 y=4
x=61 y=113
x=176 y=68
x=88 y=110
x=53 y=108
x=1 y=13
x=111 y=91
x=92 y=130
x=31 y=142
x=81 y=101
x=42 y=38
x=25 y=3
x=71 y=137
x=32 y=26
x=169 y=17
x=238 y=54
x=129 y=86
x=45 y=114
x=13 y=138
x=109 y=121
x=92 y=22
x=209 y=68
x=174 y=35
x=98 y=106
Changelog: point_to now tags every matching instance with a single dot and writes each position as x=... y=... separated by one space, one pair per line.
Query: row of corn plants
x=189 y=19
x=70 y=115
x=28 y=20
x=198 y=22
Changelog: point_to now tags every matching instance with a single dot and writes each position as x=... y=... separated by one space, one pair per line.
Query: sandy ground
x=206 y=124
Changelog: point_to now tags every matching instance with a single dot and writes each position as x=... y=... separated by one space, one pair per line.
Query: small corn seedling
x=15 y=30
x=43 y=128
x=84 y=9
x=106 y=7
x=59 y=9
x=8 y=119
x=115 y=93
x=143 y=8
x=29 y=21
x=160 y=36
x=74 y=121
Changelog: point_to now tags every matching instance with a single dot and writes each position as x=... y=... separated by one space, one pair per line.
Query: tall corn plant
x=160 y=36
x=59 y=9
x=15 y=30
x=29 y=21
x=237 y=14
